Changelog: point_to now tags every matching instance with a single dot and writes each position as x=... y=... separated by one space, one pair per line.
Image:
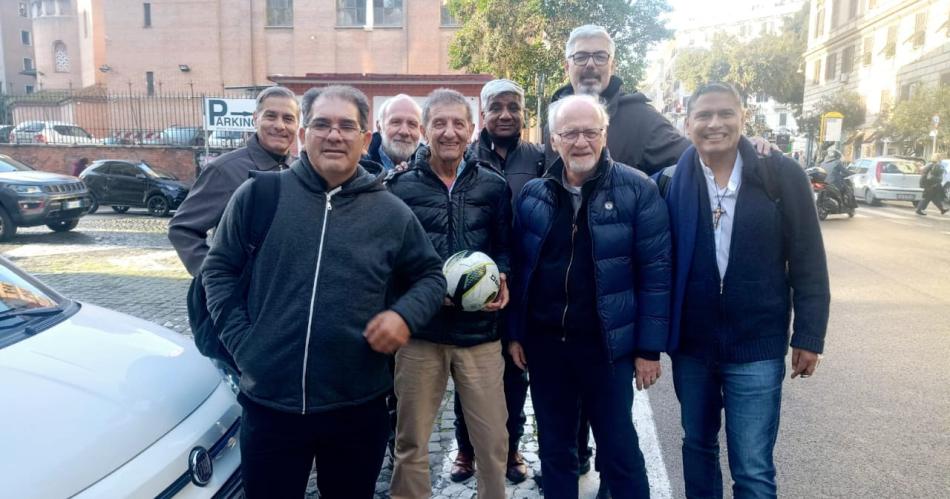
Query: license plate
x=71 y=205
x=908 y=197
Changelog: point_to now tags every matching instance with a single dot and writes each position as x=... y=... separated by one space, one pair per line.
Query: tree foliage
x=909 y=121
x=768 y=64
x=849 y=103
x=524 y=40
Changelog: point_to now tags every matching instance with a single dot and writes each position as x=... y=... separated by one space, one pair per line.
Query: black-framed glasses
x=580 y=58
x=322 y=129
x=589 y=134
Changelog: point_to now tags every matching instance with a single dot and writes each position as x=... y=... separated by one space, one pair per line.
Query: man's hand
x=502 y=299
x=386 y=332
x=517 y=355
x=804 y=363
x=762 y=146
x=647 y=372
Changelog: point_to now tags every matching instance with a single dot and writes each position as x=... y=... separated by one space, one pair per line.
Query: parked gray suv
x=29 y=198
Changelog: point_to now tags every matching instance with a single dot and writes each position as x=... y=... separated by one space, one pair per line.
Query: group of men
x=342 y=306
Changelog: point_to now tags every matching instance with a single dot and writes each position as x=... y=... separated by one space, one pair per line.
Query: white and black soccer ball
x=472 y=278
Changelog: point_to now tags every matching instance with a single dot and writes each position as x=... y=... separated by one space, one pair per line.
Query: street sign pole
x=935 y=120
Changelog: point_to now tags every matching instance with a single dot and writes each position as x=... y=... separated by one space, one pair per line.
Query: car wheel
x=120 y=209
x=64 y=225
x=870 y=199
x=157 y=206
x=7 y=227
x=94 y=207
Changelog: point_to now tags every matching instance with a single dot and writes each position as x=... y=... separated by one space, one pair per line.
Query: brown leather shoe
x=463 y=468
x=517 y=469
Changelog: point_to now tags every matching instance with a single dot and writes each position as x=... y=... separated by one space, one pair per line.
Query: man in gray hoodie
x=334 y=289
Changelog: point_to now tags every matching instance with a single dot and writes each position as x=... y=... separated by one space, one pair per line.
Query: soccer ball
x=472 y=278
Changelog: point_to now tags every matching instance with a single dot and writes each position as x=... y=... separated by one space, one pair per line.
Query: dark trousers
x=568 y=375
x=934 y=194
x=278 y=450
x=516 y=392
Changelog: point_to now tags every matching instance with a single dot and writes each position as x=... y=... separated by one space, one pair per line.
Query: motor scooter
x=828 y=199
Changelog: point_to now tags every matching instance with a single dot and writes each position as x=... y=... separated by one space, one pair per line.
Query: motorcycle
x=828 y=199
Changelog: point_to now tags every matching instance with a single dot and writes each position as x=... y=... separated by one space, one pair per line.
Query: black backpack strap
x=664 y=178
x=768 y=174
x=265 y=193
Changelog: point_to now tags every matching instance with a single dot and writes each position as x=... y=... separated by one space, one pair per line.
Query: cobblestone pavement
x=125 y=263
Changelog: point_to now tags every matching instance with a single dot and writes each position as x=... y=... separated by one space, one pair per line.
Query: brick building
x=17 y=62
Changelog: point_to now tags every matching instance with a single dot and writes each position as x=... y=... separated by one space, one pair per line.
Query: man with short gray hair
x=398 y=132
x=499 y=144
x=277 y=119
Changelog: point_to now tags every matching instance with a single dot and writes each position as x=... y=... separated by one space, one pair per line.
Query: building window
x=85 y=24
x=27 y=64
x=945 y=79
x=847 y=60
x=834 y=8
x=64 y=7
x=819 y=18
x=782 y=119
x=872 y=4
x=886 y=100
x=25 y=38
x=831 y=67
x=852 y=9
x=447 y=18
x=761 y=97
x=150 y=83
x=280 y=13
x=147 y=11
x=816 y=72
x=60 y=57
x=387 y=12
x=350 y=12
x=28 y=89
x=920 y=30
x=890 y=48
x=868 y=50
x=24 y=12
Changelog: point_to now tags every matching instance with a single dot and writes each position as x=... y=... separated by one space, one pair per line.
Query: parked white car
x=51 y=132
x=97 y=404
x=221 y=139
x=886 y=178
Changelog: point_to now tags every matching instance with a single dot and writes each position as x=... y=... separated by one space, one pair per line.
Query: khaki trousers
x=422 y=371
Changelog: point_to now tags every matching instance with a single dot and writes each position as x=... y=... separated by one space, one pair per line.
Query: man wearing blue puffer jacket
x=590 y=301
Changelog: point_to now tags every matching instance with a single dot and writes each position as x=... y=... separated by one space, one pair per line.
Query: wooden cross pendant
x=717 y=214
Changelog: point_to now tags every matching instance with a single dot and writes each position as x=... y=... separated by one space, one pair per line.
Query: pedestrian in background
x=79 y=166
x=931 y=179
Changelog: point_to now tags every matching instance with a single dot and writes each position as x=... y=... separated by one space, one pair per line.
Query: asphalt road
x=873 y=422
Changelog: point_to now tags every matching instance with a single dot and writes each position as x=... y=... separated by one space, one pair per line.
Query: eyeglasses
x=590 y=134
x=322 y=129
x=581 y=58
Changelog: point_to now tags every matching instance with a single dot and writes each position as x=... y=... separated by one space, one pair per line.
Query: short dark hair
x=272 y=92
x=306 y=102
x=712 y=88
x=345 y=93
x=442 y=96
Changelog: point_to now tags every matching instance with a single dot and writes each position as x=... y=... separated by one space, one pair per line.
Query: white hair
x=384 y=109
x=554 y=110
x=500 y=86
x=588 y=31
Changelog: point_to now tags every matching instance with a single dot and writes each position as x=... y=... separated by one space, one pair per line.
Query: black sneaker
x=921 y=213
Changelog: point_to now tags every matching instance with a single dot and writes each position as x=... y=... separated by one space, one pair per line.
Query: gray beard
x=397 y=152
x=593 y=90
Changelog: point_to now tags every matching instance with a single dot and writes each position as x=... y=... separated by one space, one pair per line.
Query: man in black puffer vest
x=500 y=145
x=462 y=205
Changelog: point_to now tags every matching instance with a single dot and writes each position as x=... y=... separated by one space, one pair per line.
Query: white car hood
x=87 y=395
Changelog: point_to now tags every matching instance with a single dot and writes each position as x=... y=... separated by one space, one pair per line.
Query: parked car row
x=887 y=178
x=123 y=184
x=58 y=132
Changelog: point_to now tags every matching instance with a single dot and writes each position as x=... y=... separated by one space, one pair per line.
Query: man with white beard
x=399 y=131
x=590 y=298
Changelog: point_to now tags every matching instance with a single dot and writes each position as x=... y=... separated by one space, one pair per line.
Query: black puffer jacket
x=524 y=162
x=475 y=215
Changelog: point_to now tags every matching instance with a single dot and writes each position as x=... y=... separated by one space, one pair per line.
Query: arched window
x=60 y=57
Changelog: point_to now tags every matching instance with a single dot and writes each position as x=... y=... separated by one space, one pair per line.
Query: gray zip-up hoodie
x=330 y=262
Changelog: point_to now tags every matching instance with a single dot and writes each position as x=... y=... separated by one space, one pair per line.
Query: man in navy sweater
x=748 y=251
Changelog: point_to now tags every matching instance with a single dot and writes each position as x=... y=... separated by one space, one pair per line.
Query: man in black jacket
x=334 y=289
x=277 y=120
x=499 y=144
x=463 y=205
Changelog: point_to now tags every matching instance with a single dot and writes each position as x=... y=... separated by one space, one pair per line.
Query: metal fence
x=95 y=116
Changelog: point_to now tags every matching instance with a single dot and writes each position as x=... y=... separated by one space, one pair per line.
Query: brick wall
x=179 y=161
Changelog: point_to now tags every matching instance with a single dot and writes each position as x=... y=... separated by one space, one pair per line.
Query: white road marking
x=29 y=250
x=650 y=446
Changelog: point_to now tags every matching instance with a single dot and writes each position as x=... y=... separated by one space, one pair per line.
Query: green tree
x=849 y=103
x=909 y=120
x=524 y=40
x=767 y=64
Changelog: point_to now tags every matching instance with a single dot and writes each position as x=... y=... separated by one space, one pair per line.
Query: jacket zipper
x=313 y=299
x=567 y=276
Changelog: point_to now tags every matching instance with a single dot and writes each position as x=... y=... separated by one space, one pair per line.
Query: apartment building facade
x=17 y=60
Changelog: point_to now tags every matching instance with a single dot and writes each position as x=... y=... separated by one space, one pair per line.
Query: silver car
x=886 y=178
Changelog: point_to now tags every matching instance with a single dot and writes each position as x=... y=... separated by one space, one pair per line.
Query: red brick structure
x=179 y=161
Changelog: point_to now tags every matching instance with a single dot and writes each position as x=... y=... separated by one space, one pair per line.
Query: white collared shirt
x=727 y=196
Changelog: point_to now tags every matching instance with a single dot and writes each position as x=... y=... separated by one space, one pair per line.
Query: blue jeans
x=568 y=375
x=751 y=394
